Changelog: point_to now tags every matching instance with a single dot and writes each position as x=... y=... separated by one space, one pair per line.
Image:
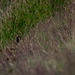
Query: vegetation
x=48 y=47
x=20 y=16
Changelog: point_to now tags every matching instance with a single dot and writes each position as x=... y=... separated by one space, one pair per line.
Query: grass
x=47 y=49
x=21 y=16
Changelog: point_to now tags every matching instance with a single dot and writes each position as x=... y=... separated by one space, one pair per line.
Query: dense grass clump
x=22 y=15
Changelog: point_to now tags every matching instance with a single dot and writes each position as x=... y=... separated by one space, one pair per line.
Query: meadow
x=47 y=31
x=17 y=17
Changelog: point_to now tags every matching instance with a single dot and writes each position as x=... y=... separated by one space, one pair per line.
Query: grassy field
x=47 y=28
x=18 y=17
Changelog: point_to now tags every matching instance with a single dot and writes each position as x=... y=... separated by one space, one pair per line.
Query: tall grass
x=23 y=15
